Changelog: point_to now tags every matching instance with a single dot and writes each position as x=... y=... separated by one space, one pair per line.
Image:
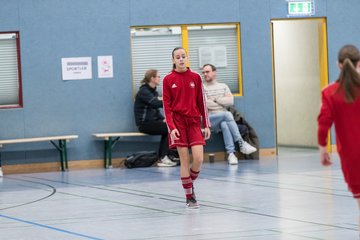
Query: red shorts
x=190 y=131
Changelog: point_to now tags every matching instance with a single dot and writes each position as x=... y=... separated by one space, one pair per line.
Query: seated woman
x=149 y=119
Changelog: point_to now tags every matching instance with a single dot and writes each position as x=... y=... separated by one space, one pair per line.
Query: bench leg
x=109 y=145
x=63 y=154
x=108 y=151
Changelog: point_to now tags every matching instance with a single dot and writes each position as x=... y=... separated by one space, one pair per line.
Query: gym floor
x=290 y=197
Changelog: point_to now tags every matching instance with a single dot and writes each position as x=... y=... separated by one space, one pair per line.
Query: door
x=300 y=70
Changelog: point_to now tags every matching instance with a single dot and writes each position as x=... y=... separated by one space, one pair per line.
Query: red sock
x=194 y=174
x=187 y=185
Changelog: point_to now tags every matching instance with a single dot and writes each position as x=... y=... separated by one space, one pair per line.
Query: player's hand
x=324 y=156
x=207 y=133
x=175 y=134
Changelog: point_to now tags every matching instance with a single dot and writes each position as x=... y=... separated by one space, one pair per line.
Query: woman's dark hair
x=349 y=78
x=148 y=75
x=172 y=54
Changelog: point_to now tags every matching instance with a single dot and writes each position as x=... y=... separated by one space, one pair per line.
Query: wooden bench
x=61 y=146
x=110 y=140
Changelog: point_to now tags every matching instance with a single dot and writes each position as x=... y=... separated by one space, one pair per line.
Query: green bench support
x=61 y=146
x=110 y=140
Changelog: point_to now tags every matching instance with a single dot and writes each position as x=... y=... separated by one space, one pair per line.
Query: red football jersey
x=346 y=118
x=183 y=94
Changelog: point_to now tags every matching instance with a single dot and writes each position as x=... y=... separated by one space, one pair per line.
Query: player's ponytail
x=349 y=78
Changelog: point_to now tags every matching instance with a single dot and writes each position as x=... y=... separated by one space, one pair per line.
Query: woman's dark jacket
x=147 y=105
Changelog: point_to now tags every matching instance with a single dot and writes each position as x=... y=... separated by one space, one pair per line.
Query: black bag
x=141 y=159
x=248 y=134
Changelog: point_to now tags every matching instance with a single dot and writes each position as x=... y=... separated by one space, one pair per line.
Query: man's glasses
x=205 y=72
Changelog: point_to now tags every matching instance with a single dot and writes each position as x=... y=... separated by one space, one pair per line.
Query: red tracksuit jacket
x=346 y=118
x=183 y=94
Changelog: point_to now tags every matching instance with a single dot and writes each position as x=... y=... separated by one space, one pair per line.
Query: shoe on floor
x=232 y=159
x=1 y=172
x=246 y=148
x=192 y=203
x=166 y=162
x=174 y=158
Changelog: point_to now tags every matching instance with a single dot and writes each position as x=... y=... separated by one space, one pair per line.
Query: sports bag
x=141 y=159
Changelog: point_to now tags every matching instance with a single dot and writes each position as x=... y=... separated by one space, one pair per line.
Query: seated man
x=149 y=119
x=218 y=98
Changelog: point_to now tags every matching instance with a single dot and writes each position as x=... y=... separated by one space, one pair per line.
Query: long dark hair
x=349 y=78
x=172 y=54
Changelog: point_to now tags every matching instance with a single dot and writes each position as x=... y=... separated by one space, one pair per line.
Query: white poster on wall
x=215 y=55
x=76 y=68
x=105 y=66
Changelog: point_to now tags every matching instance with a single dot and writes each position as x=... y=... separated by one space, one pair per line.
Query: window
x=151 y=49
x=218 y=44
x=10 y=77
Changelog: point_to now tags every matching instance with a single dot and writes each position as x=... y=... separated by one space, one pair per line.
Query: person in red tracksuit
x=185 y=109
x=341 y=106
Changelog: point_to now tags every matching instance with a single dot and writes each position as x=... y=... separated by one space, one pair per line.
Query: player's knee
x=198 y=159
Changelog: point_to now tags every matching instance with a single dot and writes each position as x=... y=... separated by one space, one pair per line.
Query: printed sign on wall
x=105 y=66
x=215 y=55
x=76 y=68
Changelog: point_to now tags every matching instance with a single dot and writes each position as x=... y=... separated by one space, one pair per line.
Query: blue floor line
x=49 y=227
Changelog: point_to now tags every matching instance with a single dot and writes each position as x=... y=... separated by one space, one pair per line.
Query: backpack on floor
x=248 y=133
x=141 y=159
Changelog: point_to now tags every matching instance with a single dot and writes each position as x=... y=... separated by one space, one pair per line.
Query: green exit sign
x=300 y=8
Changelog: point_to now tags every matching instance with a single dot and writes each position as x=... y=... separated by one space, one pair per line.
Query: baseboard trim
x=267 y=152
x=99 y=163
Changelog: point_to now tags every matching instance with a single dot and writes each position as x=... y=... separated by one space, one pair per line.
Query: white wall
x=297 y=81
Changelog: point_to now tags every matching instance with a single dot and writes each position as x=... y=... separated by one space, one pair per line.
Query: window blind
x=224 y=39
x=9 y=80
x=152 y=52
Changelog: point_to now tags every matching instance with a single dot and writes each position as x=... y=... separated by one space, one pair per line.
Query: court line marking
x=242 y=181
x=103 y=189
x=205 y=205
x=49 y=227
x=36 y=200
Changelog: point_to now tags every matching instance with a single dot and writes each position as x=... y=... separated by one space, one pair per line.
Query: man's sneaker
x=174 y=158
x=232 y=159
x=166 y=162
x=192 y=203
x=246 y=148
x=1 y=172
x=173 y=155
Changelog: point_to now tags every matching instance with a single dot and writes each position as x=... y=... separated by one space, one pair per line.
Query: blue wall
x=51 y=30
